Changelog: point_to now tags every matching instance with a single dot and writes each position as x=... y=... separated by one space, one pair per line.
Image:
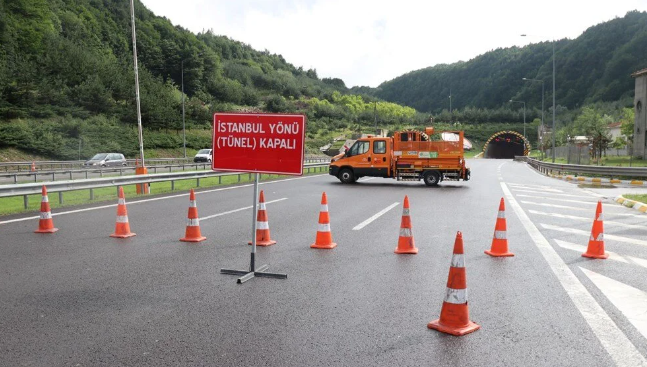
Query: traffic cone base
x=498 y=254
x=326 y=247
x=593 y=256
x=193 y=239
x=115 y=235
x=47 y=230
x=192 y=232
x=263 y=243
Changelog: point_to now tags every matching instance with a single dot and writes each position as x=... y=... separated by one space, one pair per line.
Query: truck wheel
x=431 y=178
x=346 y=176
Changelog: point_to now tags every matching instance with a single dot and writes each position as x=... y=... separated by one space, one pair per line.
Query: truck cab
x=369 y=156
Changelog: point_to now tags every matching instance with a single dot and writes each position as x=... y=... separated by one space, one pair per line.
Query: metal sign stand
x=253 y=271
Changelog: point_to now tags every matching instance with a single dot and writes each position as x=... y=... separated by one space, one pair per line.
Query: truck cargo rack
x=408 y=176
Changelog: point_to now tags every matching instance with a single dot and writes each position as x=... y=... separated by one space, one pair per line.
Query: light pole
x=139 y=114
x=554 y=107
x=524 y=116
x=541 y=137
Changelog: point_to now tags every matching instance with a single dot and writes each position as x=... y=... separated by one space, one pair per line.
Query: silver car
x=106 y=160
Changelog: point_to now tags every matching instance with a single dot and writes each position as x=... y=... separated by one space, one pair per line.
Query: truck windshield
x=360 y=147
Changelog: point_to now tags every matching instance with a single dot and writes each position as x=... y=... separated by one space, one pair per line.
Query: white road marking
x=542 y=190
x=515 y=185
x=239 y=209
x=379 y=214
x=558 y=199
x=632 y=302
x=366 y=179
x=612 y=255
x=554 y=205
x=588 y=234
x=619 y=347
x=606 y=222
x=550 y=193
x=582 y=249
x=155 y=199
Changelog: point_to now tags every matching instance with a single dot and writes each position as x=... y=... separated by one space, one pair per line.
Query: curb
x=636 y=205
x=597 y=180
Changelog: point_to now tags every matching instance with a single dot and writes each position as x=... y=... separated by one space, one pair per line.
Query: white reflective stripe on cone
x=500 y=235
x=261 y=206
x=262 y=225
x=192 y=204
x=456 y=296
x=324 y=208
x=121 y=201
x=458 y=261
x=600 y=237
x=324 y=227
x=45 y=199
x=45 y=215
x=501 y=214
x=600 y=217
x=192 y=222
x=405 y=211
x=405 y=232
x=122 y=219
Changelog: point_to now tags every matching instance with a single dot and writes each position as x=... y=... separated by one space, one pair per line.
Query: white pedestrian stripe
x=612 y=255
x=239 y=209
x=554 y=205
x=585 y=219
x=619 y=347
x=559 y=199
x=632 y=302
x=588 y=234
x=379 y=214
x=549 y=193
x=543 y=189
x=515 y=185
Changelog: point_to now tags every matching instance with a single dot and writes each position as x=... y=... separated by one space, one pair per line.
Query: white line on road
x=558 y=199
x=379 y=214
x=588 y=234
x=631 y=301
x=612 y=255
x=156 y=199
x=549 y=193
x=554 y=205
x=239 y=209
x=583 y=219
x=619 y=347
x=515 y=185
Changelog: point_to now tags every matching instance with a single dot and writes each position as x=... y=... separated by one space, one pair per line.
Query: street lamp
x=553 y=132
x=542 y=111
x=524 y=116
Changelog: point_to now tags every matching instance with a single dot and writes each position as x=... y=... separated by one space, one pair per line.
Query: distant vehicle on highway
x=204 y=155
x=106 y=160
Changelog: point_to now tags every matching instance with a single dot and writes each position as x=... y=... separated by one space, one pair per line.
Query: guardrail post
x=53 y=179
x=60 y=197
x=91 y=194
x=121 y=172
x=169 y=169
x=249 y=176
x=86 y=174
x=101 y=172
x=172 y=185
x=71 y=175
x=25 y=200
x=219 y=180
x=35 y=177
x=197 y=182
x=239 y=177
x=15 y=179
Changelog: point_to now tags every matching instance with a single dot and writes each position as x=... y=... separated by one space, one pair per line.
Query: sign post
x=258 y=143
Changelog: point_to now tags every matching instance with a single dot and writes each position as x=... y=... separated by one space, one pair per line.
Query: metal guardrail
x=60 y=187
x=603 y=171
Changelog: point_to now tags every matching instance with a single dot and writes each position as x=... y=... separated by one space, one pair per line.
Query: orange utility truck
x=407 y=156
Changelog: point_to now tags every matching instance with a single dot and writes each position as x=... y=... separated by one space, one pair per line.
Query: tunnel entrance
x=506 y=145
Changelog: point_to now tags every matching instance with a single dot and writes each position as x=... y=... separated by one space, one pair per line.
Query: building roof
x=639 y=73
x=614 y=125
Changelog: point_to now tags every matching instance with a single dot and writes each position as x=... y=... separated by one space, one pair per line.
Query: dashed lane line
x=239 y=209
x=583 y=219
x=612 y=255
x=614 y=341
x=155 y=199
x=588 y=234
x=379 y=214
x=629 y=300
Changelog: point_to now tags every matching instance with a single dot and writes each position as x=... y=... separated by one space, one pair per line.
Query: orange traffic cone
x=595 y=249
x=33 y=166
x=324 y=237
x=122 y=228
x=406 y=244
x=45 y=224
x=192 y=233
x=262 y=225
x=454 y=315
x=500 y=239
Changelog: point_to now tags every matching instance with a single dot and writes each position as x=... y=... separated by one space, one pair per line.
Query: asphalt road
x=80 y=298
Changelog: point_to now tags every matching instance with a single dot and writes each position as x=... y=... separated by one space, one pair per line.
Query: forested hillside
x=66 y=74
x=594 y=67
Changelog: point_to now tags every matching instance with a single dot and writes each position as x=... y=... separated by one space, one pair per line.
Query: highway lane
x=79 y=297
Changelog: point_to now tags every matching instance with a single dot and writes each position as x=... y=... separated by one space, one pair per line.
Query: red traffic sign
x=261 y=143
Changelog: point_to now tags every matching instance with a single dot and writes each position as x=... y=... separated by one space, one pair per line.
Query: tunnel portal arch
x=505 y=145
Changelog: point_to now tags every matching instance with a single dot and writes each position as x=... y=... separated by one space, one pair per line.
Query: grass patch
x=15 y=204
x=636 y=197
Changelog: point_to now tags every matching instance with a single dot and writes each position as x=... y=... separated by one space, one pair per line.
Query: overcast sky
x=369 y=42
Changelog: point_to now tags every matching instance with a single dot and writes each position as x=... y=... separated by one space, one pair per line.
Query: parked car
x=204 y=155
x=106 y=160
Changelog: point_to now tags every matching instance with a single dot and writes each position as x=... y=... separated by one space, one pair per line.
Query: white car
x=204 y=155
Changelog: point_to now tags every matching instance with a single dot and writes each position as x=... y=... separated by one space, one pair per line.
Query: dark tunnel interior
x=505 y=146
